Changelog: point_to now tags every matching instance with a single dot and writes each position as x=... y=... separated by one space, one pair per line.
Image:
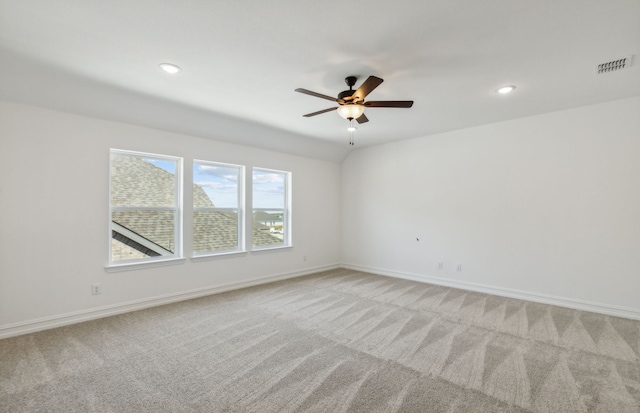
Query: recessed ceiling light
x=170 y=68
x=506 y=89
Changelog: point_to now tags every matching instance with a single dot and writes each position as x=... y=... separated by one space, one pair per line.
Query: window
x=271 y=208
x=145 y=207
x=218 y=206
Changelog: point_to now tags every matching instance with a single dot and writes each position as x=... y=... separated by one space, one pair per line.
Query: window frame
x=287 y=241
x=177 y=209
x=241 y=208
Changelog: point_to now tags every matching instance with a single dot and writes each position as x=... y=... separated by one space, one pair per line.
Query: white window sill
x=130 y=266
x=219 y=255
x=272 y=249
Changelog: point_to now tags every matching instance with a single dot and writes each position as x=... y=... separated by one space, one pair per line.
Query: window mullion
x=145 y=208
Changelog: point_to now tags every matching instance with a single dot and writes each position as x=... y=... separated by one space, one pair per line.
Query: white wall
x=54 y=177
x=545 y=207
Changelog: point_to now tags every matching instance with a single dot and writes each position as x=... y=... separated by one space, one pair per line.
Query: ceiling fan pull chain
x=352 y=129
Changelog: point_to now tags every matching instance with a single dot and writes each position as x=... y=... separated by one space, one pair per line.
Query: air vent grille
x=614 y=65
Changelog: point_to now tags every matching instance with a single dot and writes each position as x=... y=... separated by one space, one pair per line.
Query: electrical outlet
x=304 y=258
x=95 y=289
x=459 y=267
x=441 y=265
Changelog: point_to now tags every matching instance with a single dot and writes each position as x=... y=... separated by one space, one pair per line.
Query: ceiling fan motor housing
x=345 y=94
x=350 y=81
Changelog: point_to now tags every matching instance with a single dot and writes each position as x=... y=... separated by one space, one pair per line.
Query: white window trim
x=177 y=256
x=241 y=246
x=286 y=220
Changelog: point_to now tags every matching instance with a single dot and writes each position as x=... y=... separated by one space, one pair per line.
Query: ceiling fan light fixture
x=170 y=68
x=351 y=110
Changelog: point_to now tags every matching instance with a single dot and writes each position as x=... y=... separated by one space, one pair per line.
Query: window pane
x=216 y=205
x=268 y=227
x=138 y=181
x=268 y=189
x=270 y=215
x=142 y=234
x=215 y=230
x=215 y=185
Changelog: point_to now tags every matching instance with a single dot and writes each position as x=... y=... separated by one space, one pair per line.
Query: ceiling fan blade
x=362 y=119
x=389 y=104
x=318 y=95
x=308 y=115
x=367 y=87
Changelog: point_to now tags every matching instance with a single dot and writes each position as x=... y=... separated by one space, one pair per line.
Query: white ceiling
x=242 y=60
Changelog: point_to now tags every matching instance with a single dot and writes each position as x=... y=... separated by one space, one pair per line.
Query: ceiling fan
x=351 y=102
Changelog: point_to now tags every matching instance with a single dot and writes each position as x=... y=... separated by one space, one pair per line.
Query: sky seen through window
x=220 y=183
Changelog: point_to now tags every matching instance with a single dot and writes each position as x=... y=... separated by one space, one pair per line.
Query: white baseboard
x=608 y=309
x=45 y=323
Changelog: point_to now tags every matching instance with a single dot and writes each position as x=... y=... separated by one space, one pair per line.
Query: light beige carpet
x=340 y=341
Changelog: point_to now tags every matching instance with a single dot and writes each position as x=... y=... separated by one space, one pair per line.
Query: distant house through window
x=218 y=208
x=145 y=207
x=271 y=208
